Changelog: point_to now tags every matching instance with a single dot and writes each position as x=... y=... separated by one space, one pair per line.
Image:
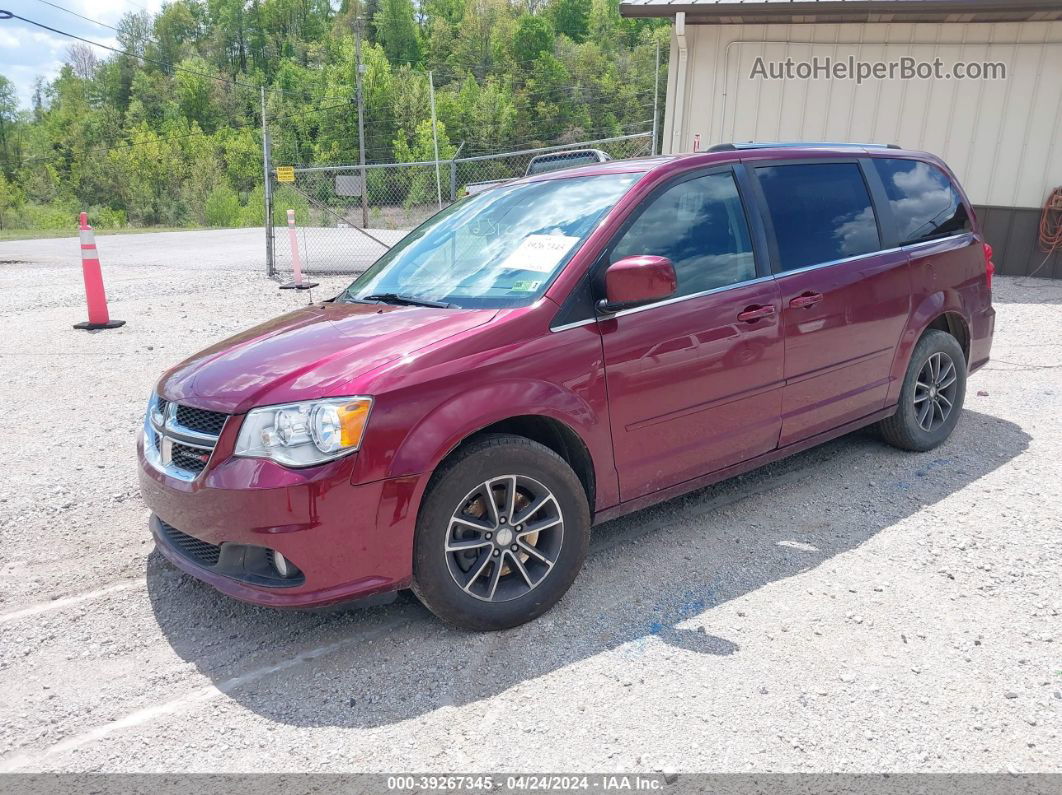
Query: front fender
x=440 y=431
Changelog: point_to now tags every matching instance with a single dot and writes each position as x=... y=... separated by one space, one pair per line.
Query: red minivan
x=561 y=350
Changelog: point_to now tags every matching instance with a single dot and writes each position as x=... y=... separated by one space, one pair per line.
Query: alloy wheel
x=934 y=392
x=504 y=538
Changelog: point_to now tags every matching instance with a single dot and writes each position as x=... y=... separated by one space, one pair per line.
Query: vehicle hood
x=310 y=353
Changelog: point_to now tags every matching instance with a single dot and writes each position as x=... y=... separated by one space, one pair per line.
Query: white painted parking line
x=56 y=604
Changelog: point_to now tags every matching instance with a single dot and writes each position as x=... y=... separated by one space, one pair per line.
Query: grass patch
x=41 y=234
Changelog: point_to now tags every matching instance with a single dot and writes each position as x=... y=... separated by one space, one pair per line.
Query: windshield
x=498 y=249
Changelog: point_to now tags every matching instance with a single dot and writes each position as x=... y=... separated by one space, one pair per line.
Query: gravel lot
x=854 y=608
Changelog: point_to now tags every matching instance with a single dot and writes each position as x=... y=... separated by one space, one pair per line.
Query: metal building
x=1001 y=135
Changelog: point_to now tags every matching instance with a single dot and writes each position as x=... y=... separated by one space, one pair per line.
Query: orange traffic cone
x=296 y=282
x=94 y=295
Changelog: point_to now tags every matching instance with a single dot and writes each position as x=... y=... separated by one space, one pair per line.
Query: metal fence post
x=359 y=68
x=656 y=96
x=453 y=180
x=267 y=183
x=435 y=138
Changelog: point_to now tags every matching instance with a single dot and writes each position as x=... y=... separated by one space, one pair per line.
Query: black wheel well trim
x=952 y=323
x=552 y=433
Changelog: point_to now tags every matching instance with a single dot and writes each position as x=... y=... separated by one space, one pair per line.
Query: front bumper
x=348 y=541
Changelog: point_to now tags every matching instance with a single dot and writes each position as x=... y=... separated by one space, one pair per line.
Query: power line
x=79 y=16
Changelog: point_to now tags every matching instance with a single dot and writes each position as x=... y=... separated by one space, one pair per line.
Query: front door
x=845 y=301
x=694 y=382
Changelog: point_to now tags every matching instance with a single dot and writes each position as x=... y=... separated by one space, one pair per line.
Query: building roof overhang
x=743 y=12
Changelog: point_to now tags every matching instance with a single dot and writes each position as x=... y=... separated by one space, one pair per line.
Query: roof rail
x=783 y=144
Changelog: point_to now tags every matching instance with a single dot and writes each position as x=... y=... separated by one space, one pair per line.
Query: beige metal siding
x=1003 y=138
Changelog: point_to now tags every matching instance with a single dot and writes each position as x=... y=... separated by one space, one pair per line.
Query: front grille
x=192 y=459
x=181 y=437
x=192 y=548
x=201 y=420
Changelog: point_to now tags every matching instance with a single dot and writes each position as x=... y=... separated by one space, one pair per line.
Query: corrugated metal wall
x=1003 y=138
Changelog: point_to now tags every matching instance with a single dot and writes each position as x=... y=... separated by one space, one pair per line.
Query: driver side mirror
x=633 y=281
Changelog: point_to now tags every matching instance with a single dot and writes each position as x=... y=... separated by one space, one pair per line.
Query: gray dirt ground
x=855 y=608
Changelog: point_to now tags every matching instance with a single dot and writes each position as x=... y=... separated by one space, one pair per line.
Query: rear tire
x=932 y=395
x=501 y=535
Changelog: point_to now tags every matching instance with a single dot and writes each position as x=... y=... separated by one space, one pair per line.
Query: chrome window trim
x=576 y=324
x=935 y=240
x=665 y=302
x=842 y=261
x=779 y=275
x=680 y=298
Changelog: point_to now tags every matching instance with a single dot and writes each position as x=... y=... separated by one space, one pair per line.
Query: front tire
x=932 y=395
x=502 y=533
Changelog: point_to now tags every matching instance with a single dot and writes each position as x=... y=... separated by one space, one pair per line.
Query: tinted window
x=924 y=202
x=820 y=212
x=700 y=226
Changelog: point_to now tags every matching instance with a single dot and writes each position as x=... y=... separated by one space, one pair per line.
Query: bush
x=223 y=207
x=106 y=218
x=284 y=199
x=253 y=211
x=56 y=215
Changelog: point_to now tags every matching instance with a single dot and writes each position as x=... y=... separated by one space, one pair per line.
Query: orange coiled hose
x=1051 y=223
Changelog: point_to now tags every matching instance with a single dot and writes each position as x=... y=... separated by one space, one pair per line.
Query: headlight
x=304 y=434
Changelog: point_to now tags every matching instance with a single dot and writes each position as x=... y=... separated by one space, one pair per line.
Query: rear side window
x=820 y=212
x=924 y=202
x=699 y=225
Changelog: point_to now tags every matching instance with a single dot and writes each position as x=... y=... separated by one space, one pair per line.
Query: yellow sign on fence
x=285 y=173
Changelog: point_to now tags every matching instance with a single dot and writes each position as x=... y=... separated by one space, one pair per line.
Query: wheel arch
x=942 y=310
x=550 y=432
x=540 y=411
x=955 y=324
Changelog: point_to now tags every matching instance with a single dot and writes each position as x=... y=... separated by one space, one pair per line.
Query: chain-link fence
x=343 y=226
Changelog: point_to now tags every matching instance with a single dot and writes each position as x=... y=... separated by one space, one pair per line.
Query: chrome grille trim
x=162 y=432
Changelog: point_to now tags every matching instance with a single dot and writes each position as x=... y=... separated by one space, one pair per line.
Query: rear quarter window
x=925 y=204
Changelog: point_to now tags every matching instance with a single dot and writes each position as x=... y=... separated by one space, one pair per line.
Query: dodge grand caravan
x=561 y=350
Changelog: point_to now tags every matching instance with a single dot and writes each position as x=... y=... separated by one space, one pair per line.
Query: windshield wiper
x=405 y=300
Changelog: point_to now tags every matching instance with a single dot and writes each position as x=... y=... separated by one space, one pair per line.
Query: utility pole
x=435 y=138
x=359 y=69
x=267 y=182
x=656 y=95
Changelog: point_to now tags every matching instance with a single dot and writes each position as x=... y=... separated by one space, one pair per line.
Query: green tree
x=176 y=29
x=534 y=36
x=396 y=31
x=195 y=93
x=419 y=184
x=8 y=114
x=572 y=18
x=169 y=132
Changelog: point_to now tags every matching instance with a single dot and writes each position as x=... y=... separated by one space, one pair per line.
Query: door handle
x=754 y=313
x=806 y=299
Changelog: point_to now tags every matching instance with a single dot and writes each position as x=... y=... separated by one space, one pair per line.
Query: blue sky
x=27 y=52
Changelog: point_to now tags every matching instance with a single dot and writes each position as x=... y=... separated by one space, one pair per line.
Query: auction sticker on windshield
x=539 y=253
